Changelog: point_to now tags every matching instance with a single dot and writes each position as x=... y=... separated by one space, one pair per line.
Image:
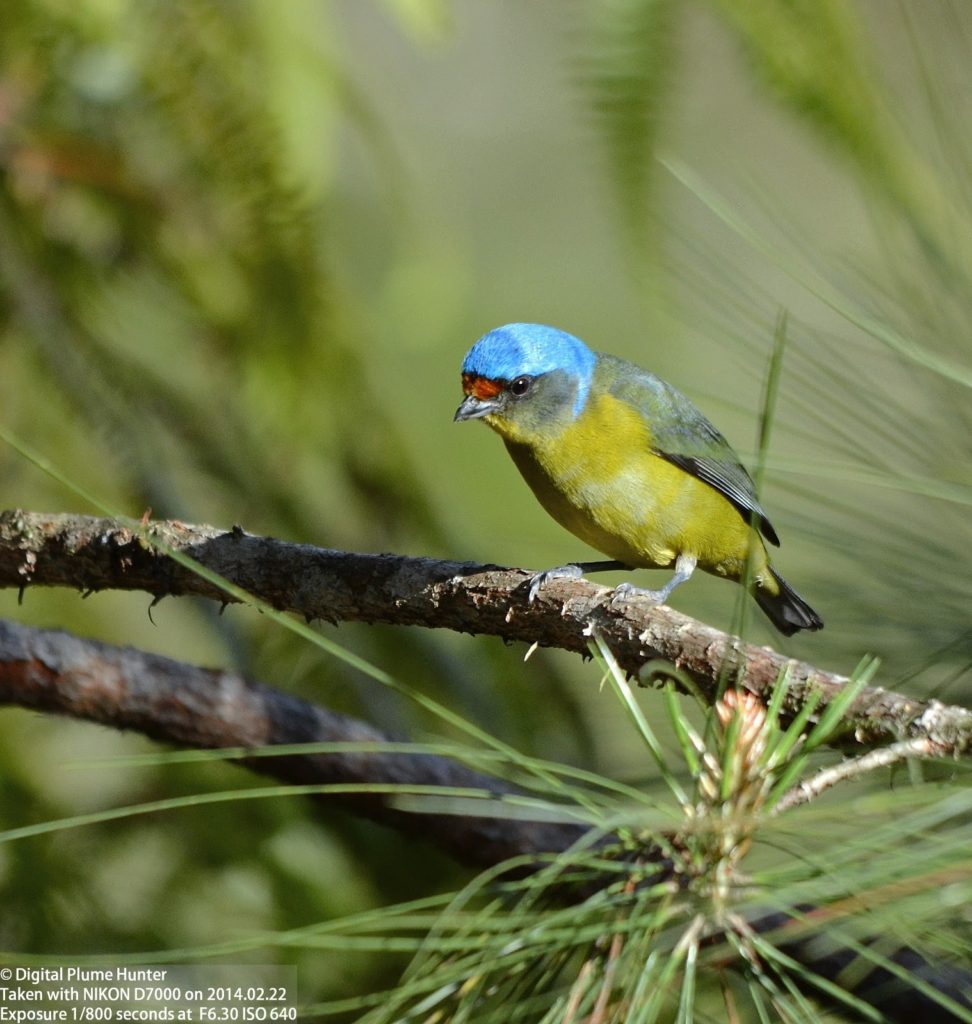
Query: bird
x=627 y=463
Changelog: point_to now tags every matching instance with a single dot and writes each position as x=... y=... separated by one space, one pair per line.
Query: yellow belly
x=632 y=505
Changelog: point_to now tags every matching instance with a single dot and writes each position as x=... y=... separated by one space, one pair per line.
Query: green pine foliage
x=238 y=269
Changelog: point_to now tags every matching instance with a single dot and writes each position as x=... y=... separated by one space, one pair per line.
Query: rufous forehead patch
x=481 y=387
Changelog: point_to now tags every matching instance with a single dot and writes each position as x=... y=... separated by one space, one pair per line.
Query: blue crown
x=528 y=350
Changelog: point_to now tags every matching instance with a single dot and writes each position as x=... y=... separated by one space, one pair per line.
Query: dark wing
x=681 y=434
x=731 y=480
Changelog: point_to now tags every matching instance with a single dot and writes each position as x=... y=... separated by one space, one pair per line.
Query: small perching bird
x=626 y=463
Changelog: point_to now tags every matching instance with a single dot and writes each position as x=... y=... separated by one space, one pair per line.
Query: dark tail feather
x=786 y=610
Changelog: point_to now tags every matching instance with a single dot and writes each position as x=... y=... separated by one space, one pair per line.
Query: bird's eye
x=520 y=386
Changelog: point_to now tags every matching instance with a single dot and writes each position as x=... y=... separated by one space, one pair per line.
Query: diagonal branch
x=883 y=757
x=181 y=704
x=98 y=554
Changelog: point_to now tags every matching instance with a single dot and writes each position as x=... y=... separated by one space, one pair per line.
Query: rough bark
x=93 y=554
x=184 y=705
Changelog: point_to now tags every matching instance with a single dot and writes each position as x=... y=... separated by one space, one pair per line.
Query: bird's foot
x=625 y=591
x=561 y=572
x=684 y=567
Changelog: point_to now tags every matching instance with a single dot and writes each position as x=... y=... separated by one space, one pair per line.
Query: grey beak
x=474 y=408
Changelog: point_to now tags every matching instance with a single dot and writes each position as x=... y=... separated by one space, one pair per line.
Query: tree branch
x=96 y=554
x=883 y=757
x=54 y=671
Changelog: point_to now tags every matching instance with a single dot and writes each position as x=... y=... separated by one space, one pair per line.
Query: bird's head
x=523 y=378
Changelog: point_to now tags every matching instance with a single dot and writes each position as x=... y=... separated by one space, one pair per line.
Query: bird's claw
x=541 y=579
x=625 y=591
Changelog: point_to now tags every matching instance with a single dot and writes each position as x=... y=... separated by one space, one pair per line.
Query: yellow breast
x=599 y=478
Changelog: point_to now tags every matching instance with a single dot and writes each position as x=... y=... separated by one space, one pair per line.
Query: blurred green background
x=244 y=247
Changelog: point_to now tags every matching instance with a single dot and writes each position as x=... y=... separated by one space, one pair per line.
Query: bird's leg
x=573 y=571
x=602 y=566
x=684 y=567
